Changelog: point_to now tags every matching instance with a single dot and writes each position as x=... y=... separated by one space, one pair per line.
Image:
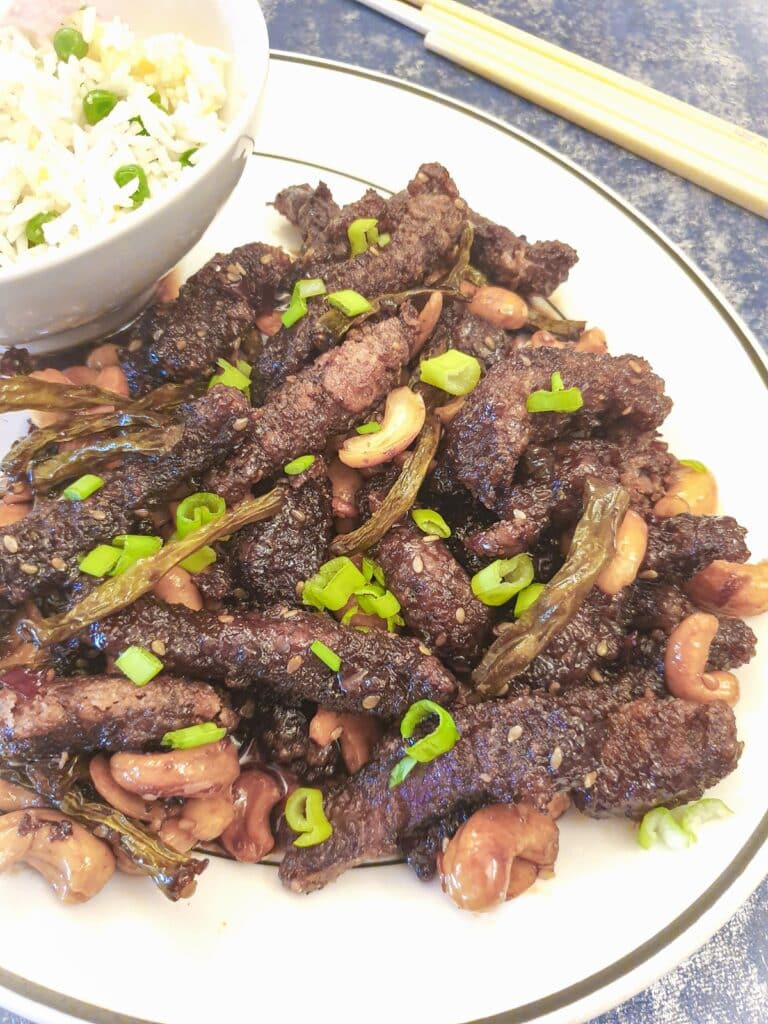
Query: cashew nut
x=631 y=544
x=249 y=837
x=75 y=863
x=40 y=417
x=685 y=663
x=404 y=415
x=81 y=375
x=690 y=490
x=345 y=483
x=17 y=798
x=428 y=318
x=201 y=770
x=270 y=321
x=103 y=356
x=592 y=340
x=357 y=735
x=200 y=819
x=477 y=868
x=500 y=307
x=127 y=803
x=112 y=378
x=558 y=805
x=731 y=588
x=13 y=513
x=178 y=587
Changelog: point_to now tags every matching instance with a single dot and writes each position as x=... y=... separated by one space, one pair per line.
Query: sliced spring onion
x=442 y=739
x=233 y=376
x=431 y=522
x=194 y=736
x=326 y=655
x=68 y=42
x=363 y=233
x=97 y=104
x=401 y=771
x=297 y=307
x=372 y=427
x=299 y=465
x=383 y=604
x=100 y=560
x=660 y=825
x=453 y=371
x=393 y=621
x=527 y=597
x=83 y=487
x=140 y=665
x=34 y=229
x=198 y=510
x=498 y=582
x=133 y=546
x=349 y=302
x=699 y=813
x=200 y=560
x=304 y=814
x=186 y=157
x=350 y=613
x=372 y=571
x=558 y=399
x=694 y=464
x=384 y=239
x=132 y=172
x=333 y=584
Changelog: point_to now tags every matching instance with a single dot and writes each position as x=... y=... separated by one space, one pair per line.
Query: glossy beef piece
x=435 y=594
x=181 y=340
x=380 y=672
x=680 y=545
x=326 y=398
x=85 y=713
x=273 y=556
x=512 y=261
x=422 y=846
x=493 y=429
x=527 y=748
x=40 y=552
x=425 y=227
x=282 y=736
x=218 y=582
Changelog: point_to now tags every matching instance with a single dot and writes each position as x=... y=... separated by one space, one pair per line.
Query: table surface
x=712 y=54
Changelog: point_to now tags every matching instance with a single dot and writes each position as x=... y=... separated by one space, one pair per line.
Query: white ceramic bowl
x=89 y=289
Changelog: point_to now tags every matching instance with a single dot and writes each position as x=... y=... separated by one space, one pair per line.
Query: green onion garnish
x=198 y=510
x=200 y=560
x=139 y=664
x=372 y=571
x=326 y=655
x=34 y=228
x=559 y=399
x=401 y=771
x=68 y=42
x=97 y=104
x=299 y=465
x=431 y=522
x=372 y=427
x=304 y=814
x=453 y=371
x=527 y=597
x=100 y=560
x=660 y=824
x=363 y=233
x=233 y=376
x=194 y=736
x=384 y=239
x=375 y=600
x=694 y=464
x=700 y=812
x=186 y=157
x=498 y=582
x=349 y=302
x=302 y=290
x=442 y=739
x=133 y=546
x=83 y=487
x=132 y=172
x=333 y=584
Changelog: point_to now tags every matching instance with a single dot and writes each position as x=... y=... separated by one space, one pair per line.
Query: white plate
x=378 y=944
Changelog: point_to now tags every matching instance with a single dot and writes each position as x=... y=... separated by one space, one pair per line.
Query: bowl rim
x=213 y=154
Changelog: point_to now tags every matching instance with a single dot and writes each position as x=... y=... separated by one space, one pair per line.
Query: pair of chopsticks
x=722 y=157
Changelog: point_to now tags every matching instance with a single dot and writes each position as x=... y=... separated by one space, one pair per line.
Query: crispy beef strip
x=84 y=713
x=512 y=261
x=680 y=545
x=380 y=672
x=427 y=226
x=40 y=552
x=435 y=594
x=181 y=340
x=326 y=398
x=458 y=328
x=272 y=557
x=614 y=757
x=493 y=429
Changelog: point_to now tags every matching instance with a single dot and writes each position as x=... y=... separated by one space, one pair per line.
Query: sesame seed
x=514 y=733
x=300 y=587
x=519 y=514
x=135 y=345
x=626 y=410
x=432 y=539
x=485 y=777
x=240 y=424
x=291 y=613
x=637 y=367
x=590 y=779
x=294 y=664
x=98 y=514
x=226 y=618
x=489 y=342
x=709 y=681
x=557 y=758
x=417 y=564
x=371 y=702
x=58 y=563
x=10 y=544
x=181 y=344
x=461 y=615
x=28 y=568
x=441 y=640
x=504 y=690
x=649 y=574
x=459 y=204
x=596 y=676
x=157 y=646
x=602 y=649
x=425 y=650
x=555 y=687
x=444 y=843
x=265 y=259
x=142 y=513
x=298 y=516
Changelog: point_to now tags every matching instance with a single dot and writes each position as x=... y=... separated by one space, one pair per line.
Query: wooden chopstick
x=722 y=157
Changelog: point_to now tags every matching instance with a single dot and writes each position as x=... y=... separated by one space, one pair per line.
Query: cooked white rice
x=52 y=160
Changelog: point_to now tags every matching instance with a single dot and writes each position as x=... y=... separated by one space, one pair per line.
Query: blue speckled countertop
x=713 y=54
